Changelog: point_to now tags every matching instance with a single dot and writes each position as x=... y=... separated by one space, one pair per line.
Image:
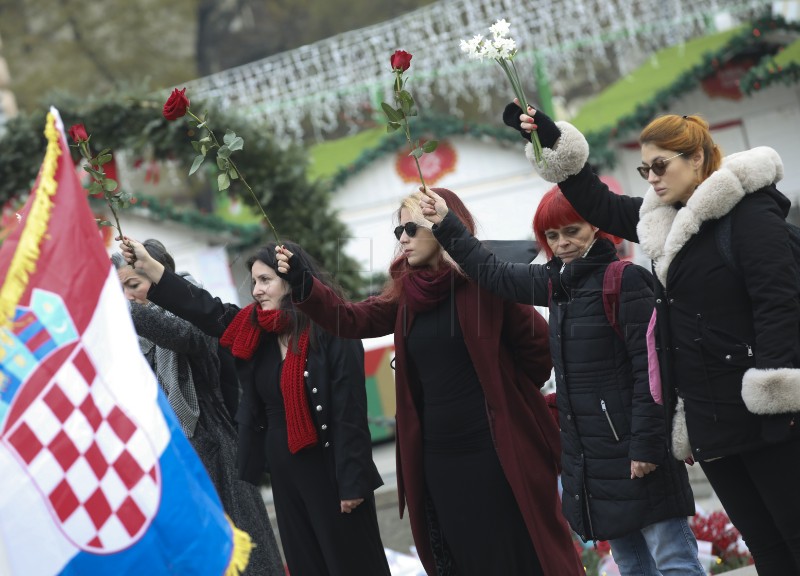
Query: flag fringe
x=23 y=263
x=242 y=547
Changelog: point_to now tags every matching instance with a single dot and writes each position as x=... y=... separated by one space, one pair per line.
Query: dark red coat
x=508 y=344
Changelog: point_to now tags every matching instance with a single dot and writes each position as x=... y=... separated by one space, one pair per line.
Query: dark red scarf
x=242 y=337
x=426 y=288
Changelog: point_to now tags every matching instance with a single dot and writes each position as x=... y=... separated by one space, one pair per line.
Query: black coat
x=728 y=341
x=595 y=370
x=335 y=388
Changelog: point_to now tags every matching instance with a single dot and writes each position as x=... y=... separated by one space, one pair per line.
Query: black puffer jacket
x=729 y=347
x=606 y=412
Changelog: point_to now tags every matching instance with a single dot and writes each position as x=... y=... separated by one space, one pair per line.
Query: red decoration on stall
x=724 y=82
x=434 y=165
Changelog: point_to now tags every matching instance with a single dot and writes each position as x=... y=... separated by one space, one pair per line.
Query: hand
x=137 y=256
x=641 y=469
x=433 y=206
x=282 y=255
x=348 y=506
x=526 y=120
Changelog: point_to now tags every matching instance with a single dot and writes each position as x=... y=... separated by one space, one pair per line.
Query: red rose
x=176 y=105
x=401 y=60
x=78 y=133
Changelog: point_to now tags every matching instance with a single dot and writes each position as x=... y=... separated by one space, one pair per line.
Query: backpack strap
x=612 y=285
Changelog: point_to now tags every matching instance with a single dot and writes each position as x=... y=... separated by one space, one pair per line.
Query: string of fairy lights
x=314 y=90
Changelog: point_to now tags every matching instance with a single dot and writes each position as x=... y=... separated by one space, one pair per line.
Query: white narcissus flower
x=491 y=51
x=474 y=47
x=500 y=28
x=505 y=47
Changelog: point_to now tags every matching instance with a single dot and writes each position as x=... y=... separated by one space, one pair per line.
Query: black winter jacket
x=606 y=412
x=334 y=385
x=728 y=341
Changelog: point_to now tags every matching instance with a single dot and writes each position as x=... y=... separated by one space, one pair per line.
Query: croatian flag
x=97 y=477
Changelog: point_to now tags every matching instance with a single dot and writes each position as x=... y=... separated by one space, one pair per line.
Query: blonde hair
x=399 y=266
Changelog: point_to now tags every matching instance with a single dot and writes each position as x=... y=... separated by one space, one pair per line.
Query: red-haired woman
x=619 y=482
x=477 y=450
x=726 y=293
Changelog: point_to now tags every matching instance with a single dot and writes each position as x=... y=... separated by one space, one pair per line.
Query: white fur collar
x=664 y=229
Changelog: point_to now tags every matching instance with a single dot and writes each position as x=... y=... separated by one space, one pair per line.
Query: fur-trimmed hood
x=664 y=229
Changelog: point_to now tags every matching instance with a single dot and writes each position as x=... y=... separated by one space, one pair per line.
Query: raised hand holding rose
x=178 y=106
x=398 y=117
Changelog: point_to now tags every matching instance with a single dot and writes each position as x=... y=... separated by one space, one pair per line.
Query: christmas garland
x=602 y=152
x=134 y=123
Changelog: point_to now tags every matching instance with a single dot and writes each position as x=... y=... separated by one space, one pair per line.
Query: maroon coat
x=508 y=344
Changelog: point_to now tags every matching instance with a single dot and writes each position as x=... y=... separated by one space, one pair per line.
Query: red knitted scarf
x=242 y=337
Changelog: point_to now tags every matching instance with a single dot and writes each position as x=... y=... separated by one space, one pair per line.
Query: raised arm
x=192 y=303
x=368 y=319
x=565 y=163
x=177 y=294
x=519 y=282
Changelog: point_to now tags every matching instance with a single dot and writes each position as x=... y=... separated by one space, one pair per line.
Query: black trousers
x=317 y=539
x=760 y=491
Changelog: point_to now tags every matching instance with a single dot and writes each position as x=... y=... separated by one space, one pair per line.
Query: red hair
x=555 y=211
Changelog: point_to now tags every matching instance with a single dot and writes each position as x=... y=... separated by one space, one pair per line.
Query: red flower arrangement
x=724 y=537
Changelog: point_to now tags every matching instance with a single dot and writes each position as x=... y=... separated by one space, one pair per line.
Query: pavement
x=396 y=532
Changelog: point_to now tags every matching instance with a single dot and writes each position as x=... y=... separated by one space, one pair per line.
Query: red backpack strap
x=612 y=285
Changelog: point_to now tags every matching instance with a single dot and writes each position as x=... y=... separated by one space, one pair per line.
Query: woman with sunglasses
x=727 y=335
x=302 y=415
x=477 y=450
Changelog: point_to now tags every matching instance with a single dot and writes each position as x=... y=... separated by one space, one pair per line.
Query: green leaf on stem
x=222 y=163
x=391 y=113
x=103 y=159
x=109 y=185
x=223 y=182
x=405 y=98
x=392 y=126
x=104 y=223
x=198 y=160
x=417 y=153
x=224 y=152
x=93 y=172
x=229 y=136
x=95 y=188
x=430 y=146
x=236 y=144
x=196 y=146
x=233 y=173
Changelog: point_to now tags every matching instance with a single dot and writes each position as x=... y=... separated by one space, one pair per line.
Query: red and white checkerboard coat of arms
x=95 y=468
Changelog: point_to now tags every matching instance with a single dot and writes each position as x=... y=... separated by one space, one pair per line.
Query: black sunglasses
x=658 y=167
x=410 y=228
